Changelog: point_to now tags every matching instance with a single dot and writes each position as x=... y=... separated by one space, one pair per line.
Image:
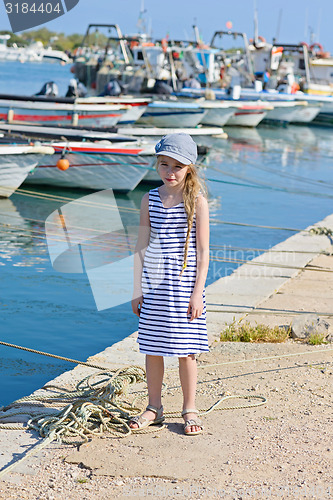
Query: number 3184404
x=35 y=8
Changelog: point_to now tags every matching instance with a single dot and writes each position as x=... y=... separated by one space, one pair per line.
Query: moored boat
x=248 y=115
x=16 y=162
x=136 y=106
x=172 y=114
x=39 y=111
x=218 y=113
x=95 y=165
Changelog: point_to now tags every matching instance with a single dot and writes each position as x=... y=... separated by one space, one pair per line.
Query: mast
x=256 y=35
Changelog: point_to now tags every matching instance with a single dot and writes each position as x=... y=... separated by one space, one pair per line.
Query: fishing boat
x=40 y=110
x=16 y=162
x=68 y=132
x=284 y=108
x=95 y=165
x=172 y=114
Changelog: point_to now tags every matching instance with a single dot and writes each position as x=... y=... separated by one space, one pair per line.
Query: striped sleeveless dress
x=164 y=326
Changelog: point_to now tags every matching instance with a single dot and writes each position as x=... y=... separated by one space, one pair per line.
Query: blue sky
x=178 y=16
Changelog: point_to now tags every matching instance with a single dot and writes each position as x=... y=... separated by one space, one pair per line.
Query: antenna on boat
x=306 y=23
x=141 y=25
x=196 y=33
x=278 y=26
x=256 y=35
x=319 y=22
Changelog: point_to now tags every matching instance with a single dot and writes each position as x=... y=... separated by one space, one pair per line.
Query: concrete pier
x=230 y=298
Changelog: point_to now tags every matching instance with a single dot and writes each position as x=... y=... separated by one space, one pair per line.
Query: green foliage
x=316 y=339
x=248 y=333
x=60 y=42
x=42 y=34
x=75 y=40
x=82 y=481
x=20 y=41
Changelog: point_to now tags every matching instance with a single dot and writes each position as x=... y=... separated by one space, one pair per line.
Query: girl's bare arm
x=202 y=237
x=140 y=250
x=195 y=307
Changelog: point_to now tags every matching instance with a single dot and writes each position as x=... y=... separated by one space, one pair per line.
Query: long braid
x=193 y=185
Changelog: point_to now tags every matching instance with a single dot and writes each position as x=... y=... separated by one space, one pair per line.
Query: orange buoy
x=63 y=164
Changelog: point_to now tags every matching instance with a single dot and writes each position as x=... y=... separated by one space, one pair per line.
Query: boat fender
x=63 y=164
x=10 y=115
x=45 y=150
x=294 y=88
x=164 y=43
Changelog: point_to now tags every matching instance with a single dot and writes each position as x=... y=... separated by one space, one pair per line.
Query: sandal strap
x=189 y=411
x=158 y=411
x=193 y=422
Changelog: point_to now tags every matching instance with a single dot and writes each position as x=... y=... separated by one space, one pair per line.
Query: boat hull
x=92 y=168
x=306 y=114
x=14 y=169
x=246 y=118
x=218 y=117
x=59 y=113
x=172 y=115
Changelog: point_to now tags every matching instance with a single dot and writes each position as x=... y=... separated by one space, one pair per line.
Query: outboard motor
x=76 y=88
x=113 y=88
x=162 y=88
x=49 y=89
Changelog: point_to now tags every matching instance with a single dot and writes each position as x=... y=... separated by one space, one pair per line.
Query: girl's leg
x=188 y=380
x=155 y=372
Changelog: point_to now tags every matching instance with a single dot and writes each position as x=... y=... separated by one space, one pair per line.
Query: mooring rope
x=95 y=407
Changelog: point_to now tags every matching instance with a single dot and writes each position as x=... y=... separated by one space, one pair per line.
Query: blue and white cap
x=180 y=147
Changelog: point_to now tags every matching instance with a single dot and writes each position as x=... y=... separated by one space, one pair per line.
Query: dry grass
x=249 y=333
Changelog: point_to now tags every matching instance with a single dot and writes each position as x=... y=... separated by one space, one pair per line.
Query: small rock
x=308 y=324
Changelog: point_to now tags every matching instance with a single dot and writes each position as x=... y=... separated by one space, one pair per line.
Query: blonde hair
x=192 y=187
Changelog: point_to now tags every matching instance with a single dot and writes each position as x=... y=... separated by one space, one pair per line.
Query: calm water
x=278 y=176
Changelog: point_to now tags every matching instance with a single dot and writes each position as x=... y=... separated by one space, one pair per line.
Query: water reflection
x=264 y=169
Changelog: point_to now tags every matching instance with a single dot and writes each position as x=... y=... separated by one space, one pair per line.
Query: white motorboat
x=248 y=114
x=218 y=112
x=33 y=53
x=284 y=111
x=95 y=165
x=16 y=162
x=136 y=106
x=172 y=114
x=285 y=108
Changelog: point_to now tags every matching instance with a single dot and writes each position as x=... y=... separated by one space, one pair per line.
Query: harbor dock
x=280 y=447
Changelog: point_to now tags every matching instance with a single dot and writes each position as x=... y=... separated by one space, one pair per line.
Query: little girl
x=170 y=275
